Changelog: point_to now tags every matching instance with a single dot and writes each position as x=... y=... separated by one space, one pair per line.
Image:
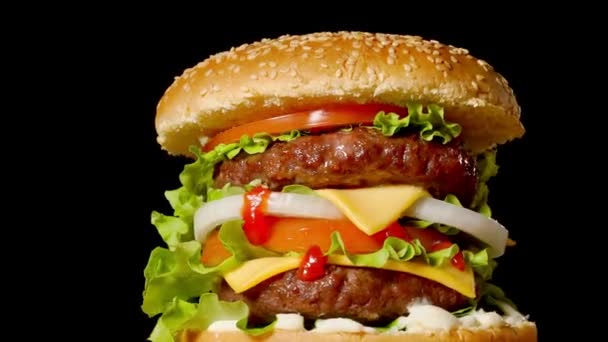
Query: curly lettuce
x=182 y=315
x=430 y=123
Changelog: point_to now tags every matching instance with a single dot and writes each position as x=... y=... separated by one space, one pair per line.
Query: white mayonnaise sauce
x=421 y=318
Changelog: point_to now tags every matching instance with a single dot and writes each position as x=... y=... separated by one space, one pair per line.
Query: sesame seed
x=304 y=55
x=440 y=67
x=376 y=49
x=324 y=66
x=479 y=77
x=284 y=69
x=355 y=54
x=263 y=73
x=368 y=42
x=215 y=88
x=273 y=74
x=435 y=52
x=370 y=71
x=306 y=47
x=412 y=59
x=430 y=59
x=405 y=51
x=266 y=51
x=324 y=83
x=292 y=85
x=356 y=44
x=407 y=67
x=390 y=61
x=292 y=73
x=254 y=77
x=187 y=87
x=208 y=72
x=261 y=65
x=272 y=64
x=339 y=73
x=245 y=89
x=475 y=86
x=350 y=61
x=454 y=59
x=203 y=92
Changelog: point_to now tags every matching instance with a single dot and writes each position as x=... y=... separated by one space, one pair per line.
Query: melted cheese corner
x=256 y=271
x=373 y=209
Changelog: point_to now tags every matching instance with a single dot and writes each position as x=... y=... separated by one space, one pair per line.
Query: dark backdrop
x=143 y=57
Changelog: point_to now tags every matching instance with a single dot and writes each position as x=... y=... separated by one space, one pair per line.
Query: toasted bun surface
x=295 y=73
x=522 y=333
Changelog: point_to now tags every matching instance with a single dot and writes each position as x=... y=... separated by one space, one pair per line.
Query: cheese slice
x=255 y=271
x=373 y=209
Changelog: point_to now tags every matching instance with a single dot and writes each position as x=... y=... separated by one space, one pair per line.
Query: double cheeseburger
x=337 y=191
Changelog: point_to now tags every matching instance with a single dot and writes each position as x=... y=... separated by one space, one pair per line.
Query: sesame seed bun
x=522 y=333
x=294 y=73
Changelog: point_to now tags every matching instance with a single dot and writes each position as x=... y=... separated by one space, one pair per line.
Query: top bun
x=295 y=73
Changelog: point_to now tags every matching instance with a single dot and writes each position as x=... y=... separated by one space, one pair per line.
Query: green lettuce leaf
x=172 y=229
x=482 y=264
x=214 y=194
x=233 y=237
x=439 y=257
x=430 y=123
x=181 y=315
x=173 y=319
x=299 y=189
x=178 y=273
x=393 y=248
x=487 y=167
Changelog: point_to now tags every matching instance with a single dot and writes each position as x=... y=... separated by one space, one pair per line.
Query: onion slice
x=281 y=204
x=483 y=228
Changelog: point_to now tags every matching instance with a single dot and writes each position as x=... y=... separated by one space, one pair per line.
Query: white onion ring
x=484 y=228
x=487 y=230
x=282 y=204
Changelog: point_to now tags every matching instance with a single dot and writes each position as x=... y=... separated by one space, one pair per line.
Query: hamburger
x=337 y=190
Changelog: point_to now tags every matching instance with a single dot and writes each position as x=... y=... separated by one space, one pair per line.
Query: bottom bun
x=525 y=332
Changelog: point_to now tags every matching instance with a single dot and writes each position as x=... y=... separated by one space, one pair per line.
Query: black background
x=136 y=56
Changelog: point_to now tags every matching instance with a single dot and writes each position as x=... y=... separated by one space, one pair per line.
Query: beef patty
x=363 y=294
x=360 y=158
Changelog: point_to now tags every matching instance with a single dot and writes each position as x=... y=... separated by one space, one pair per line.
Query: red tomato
x=313 y=264
x=322 y=118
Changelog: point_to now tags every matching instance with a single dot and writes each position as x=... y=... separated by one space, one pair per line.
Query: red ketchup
x=256 y=225
x=313 y=264
x=457 y=260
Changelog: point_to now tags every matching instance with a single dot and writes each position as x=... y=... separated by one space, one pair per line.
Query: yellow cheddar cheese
x=253 y=272
x=373 y=209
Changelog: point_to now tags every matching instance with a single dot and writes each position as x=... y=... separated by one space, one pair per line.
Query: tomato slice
x=299 y=234
x=326 y=117
x=214 y=251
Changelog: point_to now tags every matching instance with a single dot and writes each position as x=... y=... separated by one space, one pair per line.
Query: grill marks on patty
x=360 y=158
